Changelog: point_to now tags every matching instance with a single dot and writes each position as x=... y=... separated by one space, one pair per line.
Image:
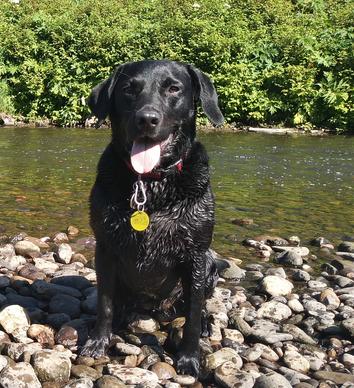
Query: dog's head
x=152 y=107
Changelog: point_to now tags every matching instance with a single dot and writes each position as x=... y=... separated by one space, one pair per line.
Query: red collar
x=158 y=174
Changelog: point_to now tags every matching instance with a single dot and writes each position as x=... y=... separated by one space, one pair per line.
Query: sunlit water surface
x=288 y=185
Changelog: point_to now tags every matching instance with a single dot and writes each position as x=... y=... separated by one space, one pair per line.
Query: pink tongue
x=144 y=156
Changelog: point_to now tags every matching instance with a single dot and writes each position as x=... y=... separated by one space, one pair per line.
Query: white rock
x=348 y=360
x=276 y=285
x=214 y=305
x=272 y=380
x=7 y=250
x=15 y=321
x=220 y=319
x=296 y=361
x=64 y=253
x=274 y=310
x=215 y=333
x=228 y=375
x=127 y=348
x=233 y=335
x=313 y=307
x=302 y=251
x=84 y=382
x=144 y=324
x=295 y=305
x=267 y=353
x=3 y=362
x=20 y=375
x=47 y=266
x=27 y=248
x=132 y=375
x=12 y=262
x=212 y=361
x=51 y=365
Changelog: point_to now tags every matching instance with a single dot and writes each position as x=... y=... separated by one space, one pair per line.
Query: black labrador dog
x=152 y=208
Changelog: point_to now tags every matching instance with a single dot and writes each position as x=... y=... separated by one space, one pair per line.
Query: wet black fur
x=131 y=264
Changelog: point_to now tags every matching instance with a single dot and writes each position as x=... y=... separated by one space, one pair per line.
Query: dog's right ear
x=100 y=99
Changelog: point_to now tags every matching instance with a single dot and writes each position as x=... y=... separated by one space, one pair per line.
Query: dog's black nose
x=147 y=120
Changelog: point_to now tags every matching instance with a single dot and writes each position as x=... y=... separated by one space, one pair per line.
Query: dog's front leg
x=97 y=344
x=193 y=281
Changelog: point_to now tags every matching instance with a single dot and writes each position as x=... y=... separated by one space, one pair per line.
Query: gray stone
x=4 y=281
x=233 y=271
x=65 y=304
x=276 y=286
x=346 y=246
x=336 y=377
x=3 y=300
x=23 y=301
x=51 y=365
x=276 y=271
x=302 y=251
x=272 y=380
x=346 y=255
x=107 y=381
x=301 y=276
x=298 y=334
x=89 y=305
x=290 y=258
x=74 y=281
x=57 y=320
x=20 y=375
x=132 y=376
x=348 y=324
x=228 y=375
x=48 y=290
x=292 y=375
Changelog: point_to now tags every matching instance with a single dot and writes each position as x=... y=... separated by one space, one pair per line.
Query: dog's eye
x=173 y=89
x=128 y=89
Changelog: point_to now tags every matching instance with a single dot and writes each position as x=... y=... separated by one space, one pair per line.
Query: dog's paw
x=95 y=347
x=188 y=364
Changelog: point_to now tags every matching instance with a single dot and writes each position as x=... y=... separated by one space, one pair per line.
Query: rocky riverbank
x=273 y=323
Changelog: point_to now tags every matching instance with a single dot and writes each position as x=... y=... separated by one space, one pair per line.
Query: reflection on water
x=287 y=185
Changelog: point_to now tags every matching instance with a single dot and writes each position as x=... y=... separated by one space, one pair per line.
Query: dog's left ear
x=100 y=99
x=207 y=95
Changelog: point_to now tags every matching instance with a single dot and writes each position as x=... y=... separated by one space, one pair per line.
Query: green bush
x=273 y=61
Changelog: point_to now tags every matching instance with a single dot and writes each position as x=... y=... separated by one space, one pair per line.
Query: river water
x=288 y=185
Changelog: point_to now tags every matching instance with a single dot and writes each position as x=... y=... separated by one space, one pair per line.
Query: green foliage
x=273 y=61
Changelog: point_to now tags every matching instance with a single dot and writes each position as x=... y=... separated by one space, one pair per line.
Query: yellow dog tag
x=139 y=221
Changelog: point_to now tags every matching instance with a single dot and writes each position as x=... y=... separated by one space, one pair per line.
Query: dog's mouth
x=146 y=153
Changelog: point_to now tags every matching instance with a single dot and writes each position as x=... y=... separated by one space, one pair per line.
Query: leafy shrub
x=273 y=61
